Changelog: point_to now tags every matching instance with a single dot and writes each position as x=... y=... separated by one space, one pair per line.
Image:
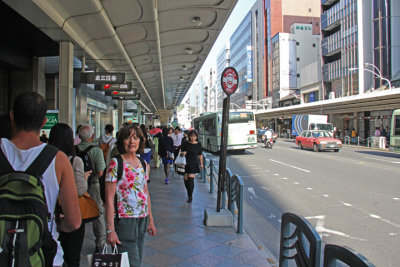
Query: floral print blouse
x=132 y=199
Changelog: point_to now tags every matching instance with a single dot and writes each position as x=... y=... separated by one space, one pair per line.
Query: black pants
x=72 y=245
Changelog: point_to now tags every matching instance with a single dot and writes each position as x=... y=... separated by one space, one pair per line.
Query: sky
x=237 y=15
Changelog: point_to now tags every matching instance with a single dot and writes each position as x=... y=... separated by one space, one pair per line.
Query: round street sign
x=229 y=80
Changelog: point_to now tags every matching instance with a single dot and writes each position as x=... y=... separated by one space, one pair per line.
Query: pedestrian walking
x=133 y=216
x=166 y=147
x=192 y=150
x=157 y=159
x=96 y=158
x=24 y=150
x=61 y=136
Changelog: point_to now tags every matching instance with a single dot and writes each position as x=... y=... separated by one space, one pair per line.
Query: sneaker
x=189 y=200
x=166 y=181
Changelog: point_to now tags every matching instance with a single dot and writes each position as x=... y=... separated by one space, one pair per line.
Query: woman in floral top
x=133 y=199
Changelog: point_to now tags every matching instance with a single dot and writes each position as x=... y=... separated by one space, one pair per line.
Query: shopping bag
x=180 y=160
x=170 y=155
x=113 y=259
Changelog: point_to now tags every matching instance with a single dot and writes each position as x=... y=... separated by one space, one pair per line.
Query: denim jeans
x=131 y=232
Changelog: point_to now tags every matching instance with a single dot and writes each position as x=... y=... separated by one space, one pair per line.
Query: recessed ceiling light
x=197 y=21
x=188 y=50
x=184 y=67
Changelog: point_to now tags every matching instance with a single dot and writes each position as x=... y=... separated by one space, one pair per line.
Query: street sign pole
x=229 y=83
x=223 y=151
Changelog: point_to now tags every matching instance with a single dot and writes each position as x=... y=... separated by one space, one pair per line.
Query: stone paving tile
x=163 y=231
x=207 y=259
x=232 y=263
x=225 y=251
x=183 y=251
x=161 y=259
x=257 y=258
x=180 y=237
x=147 y=251
x=198 y=231
x=202 y=244
x=219 y=237
x=185 y=263
x=243 y=242
x=161 y=243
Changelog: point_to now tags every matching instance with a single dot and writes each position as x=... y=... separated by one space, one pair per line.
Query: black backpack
x=87 y=162
x=25 y=239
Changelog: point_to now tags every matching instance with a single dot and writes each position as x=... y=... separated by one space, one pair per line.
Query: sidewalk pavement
x=182 y=238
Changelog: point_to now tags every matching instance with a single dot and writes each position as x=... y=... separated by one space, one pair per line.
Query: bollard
x=211 y=176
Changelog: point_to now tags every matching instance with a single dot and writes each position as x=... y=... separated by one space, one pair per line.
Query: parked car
x=318 y=141
x=261 y=132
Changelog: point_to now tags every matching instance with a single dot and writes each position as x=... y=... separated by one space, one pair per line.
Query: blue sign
x=249 y=64
x=312 y=97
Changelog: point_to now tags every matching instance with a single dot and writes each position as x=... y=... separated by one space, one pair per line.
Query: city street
x=351 y=197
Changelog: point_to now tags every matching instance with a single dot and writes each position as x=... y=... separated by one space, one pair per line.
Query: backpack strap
x=5 y=166
x=120 y=167
x=110 y=141
x=143 y=163
x=87 y=149
x=40 y=164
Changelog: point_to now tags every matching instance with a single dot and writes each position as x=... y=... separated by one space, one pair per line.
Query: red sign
x=229 y=80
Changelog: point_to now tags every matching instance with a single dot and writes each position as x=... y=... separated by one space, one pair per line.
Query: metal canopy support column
x=120 y=113
x=65 y=83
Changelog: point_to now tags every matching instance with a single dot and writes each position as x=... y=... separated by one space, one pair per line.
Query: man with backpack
x=28 y=166
x=107 y=141
x=93 y=160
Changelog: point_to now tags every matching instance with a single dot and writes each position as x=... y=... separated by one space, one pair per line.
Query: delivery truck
x=301 y=123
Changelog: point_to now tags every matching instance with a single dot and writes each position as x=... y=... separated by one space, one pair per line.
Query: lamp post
x=373 y=72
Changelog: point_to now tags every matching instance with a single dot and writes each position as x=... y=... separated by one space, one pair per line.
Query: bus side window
x=397 y=125
x=312 y=126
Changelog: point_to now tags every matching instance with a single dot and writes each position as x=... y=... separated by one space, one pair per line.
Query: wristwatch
x=109 y=231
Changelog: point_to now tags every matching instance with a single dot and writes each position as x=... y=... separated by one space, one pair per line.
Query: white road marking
x=252 y=192
x=347 y=204
x=276 y=174
x=396 y=198
x=271 y=216
x=309 y=188
x=255 y=175
x=296 y=183
x=375 y=216
x=252 y=165
x=321 y=229
x=290 y=165
x=244 y=176
x=265 y=188
x=395 y=162
x=326 y=195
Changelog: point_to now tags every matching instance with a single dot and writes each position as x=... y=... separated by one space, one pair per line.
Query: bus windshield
x=325 y=127
x=240 y=117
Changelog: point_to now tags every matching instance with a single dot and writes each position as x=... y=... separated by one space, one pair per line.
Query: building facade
x=223 y=60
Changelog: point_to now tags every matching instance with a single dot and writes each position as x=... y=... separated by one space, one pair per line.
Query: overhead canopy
x=160 y=45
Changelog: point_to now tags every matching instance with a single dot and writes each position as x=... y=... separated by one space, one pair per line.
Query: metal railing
x=233 y=190
x=372 y=141
x=301 y=245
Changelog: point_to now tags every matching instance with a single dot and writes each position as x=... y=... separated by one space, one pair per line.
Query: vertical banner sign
x=249 y=65
x=229 y=83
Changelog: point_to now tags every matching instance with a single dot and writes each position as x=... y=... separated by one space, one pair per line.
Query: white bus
x=241 y=135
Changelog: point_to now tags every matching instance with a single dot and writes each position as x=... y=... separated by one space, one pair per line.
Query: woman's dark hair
x=193 y=132
x=62 y=137
x=165 y=131
x=29 y=111
x=124 y=133
x=5 y=126
x=109 y=128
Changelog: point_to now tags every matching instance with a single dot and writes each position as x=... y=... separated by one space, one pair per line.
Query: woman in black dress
x=194 y=162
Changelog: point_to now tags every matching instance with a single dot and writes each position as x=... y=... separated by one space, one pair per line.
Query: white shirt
x=20 y=161
x=268 y=134
x=177 y=139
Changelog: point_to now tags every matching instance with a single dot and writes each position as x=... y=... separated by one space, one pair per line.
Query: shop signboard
x=52 y=119
x=104 y=78
x=113 y=87
x=126 y=97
